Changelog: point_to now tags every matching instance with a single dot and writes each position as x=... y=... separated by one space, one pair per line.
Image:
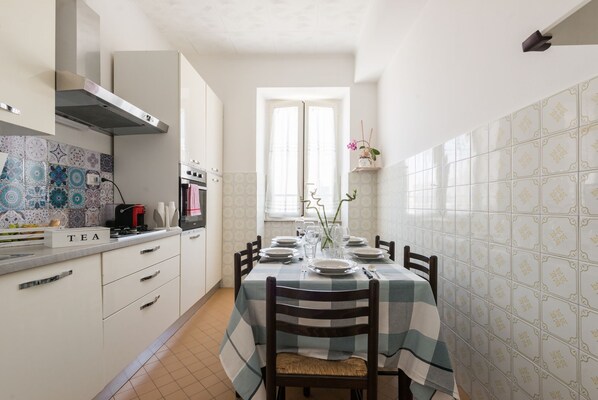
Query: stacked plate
x=286 y=241
x=333 y=267
x=356 y=241
x=368 y=253
x=282 y=253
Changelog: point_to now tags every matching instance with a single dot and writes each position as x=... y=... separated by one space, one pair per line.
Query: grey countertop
x=40 y=255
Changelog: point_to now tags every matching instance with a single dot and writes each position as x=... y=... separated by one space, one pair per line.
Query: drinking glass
x=312 y=234
x=300 y=226
x=336 y=234
x=310 y=252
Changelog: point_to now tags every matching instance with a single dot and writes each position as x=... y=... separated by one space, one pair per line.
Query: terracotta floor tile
x=163 y=380
x=126 y=395
x=180 y=373
x=178 y=395
x=153 y=395
x=125 y=387
x=169 y=388
x=203 y=395
x=186 y=381
x=202 y=373
x=193 y=388
x=143 y=384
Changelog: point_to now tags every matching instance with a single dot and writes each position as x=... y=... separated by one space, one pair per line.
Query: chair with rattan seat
x=389 y=246
x=286 y=316
x=244 y=261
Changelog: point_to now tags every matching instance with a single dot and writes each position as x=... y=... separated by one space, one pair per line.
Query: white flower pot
x=365 y=162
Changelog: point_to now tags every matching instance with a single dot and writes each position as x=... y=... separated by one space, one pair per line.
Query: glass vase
x=365 y=162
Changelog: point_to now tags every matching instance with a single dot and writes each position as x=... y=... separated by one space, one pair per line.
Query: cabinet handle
x=147 y=278
x=215 y=169
x=43 y=281
x=195 y=237
x=151 y=303
x=8 y=108
x=195 y=161
x=149 y=250
x=215 y=180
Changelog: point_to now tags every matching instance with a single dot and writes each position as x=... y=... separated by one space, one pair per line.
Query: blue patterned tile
x=76 y=178
x=76 y=198
x=39 y=216
x=58 y=198
x=13 y=145
x=36 y=148
x=12 y=196
x=13 y=170
x=106 y=189
x=92 y=160
x=11 y=217
x=92 y=217
x=76 y=157
x=58 y=175
x=76 y=218
x=58 y=152
x=106 y=163
x=35 y=197
x=92 y=198
x=35 y=173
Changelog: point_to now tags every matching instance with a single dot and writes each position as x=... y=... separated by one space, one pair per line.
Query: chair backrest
x=244 y=261
x=388 y=246
x=427 y=265
x=284 y=313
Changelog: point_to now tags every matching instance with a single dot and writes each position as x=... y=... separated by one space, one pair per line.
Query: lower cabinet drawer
x=129 y=331
x=120 y=293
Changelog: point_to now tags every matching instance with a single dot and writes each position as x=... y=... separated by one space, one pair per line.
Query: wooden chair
x=428 y=266
x=290 y=369
x=245 y=260
x=388 y=246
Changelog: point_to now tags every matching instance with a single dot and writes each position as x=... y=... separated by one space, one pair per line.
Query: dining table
x=410 y=336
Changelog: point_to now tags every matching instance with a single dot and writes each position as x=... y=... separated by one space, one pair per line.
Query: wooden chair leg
x=306 y=392
x=404 y=382
x=281 y=393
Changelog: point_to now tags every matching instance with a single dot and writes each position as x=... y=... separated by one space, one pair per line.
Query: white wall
x=462 y=65
x=236 y=79
x=123 y=26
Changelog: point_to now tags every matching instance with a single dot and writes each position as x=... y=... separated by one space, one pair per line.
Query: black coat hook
x=536 y=42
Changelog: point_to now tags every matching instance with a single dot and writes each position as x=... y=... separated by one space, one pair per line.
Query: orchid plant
x=364 y=145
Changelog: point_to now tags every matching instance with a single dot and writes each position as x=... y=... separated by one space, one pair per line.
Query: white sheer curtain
x=301 y=158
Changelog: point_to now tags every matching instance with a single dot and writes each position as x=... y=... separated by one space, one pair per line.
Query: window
x=301 y=155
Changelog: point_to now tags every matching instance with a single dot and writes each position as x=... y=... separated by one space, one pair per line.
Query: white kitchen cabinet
x=193 y=267
x=193 y=115
x=214 y=231
x=214 y=131
x=27 y=86
x=51 y=336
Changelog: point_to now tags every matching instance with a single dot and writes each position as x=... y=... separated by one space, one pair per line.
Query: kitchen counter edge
x=43 y=255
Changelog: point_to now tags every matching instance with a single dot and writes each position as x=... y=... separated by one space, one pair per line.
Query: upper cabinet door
x=214 y=127
x=27 y=82
x=193 y=115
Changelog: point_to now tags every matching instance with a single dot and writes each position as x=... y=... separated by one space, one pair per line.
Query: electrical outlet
x=93 y=179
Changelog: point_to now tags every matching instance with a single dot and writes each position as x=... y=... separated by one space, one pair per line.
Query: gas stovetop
x=126 y=232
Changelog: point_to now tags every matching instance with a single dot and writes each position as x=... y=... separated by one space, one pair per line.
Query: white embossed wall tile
x=479 y=140
x=479 y=169
x=450 y=199
x=559 y=277
x=479 y=282
x=499 y=291
x=464 y=352
x=559 y=112
x=500 y=354
x=500 y=260
x=526 y=375
x=500 y=133
x=588 y=193
x=448 y=175
x=526 y=159
x=499 y=196
x=480 y=368
x=463 y=172
x=559 y=236
x=588 y=147
x=448 y=222
x=449 y=315
x=526 y=339
x=588 y=96
x=499 y=228
x=560 y=359
x=499 y=165
x=479 y=339
x=449 y=246
x=559 y=318
x=463 y=275
x=462 y=301
x=463 y=326
x=448 y=269
x=553 y=389
x=588 y=327
x=462 y=198
x=526 y=304
x=462 y=227
x=479 y=311
x=588 y=284
x=526 y=232
x=500 y=386
x=526 y=123
x=479 y=390
x=448 y=149
x=462 y=249
x=479 y=254
x=559 y=153
x=520 y=394
x=462 y=376
x=479 y=197
x=526 y=196
x=559 y=194
x=589 y=240
x=479 y=226
x=500 y=324
x=588 y=370
x=449 y=292
x=526 y=267
x=462 y=146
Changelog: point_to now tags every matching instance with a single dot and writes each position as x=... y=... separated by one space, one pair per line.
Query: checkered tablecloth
x=409 y=332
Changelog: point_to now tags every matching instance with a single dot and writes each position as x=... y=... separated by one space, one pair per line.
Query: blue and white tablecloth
x=409 y=332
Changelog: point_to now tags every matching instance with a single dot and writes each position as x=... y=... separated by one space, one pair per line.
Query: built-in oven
x=192 y=197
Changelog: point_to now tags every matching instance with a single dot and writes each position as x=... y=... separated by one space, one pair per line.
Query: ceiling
x=232 y=27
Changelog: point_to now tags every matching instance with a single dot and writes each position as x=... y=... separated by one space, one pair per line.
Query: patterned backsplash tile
x=43 y=180
x=514 y=223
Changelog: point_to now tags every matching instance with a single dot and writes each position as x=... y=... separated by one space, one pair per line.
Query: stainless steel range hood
x=78 y=97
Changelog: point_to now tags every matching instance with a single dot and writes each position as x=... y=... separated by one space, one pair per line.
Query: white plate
x=374 y=257
x=332 y=264
x=346 y=271
x=355 y=241
x=286 y=239
x=368 y=252
x=279 y=252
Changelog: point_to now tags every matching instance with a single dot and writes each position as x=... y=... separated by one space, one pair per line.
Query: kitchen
x=459 y=69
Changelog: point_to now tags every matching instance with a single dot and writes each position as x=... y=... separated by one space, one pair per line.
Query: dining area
x=295 y=301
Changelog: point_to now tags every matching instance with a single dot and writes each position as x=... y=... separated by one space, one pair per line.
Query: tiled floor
x=187 y=366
